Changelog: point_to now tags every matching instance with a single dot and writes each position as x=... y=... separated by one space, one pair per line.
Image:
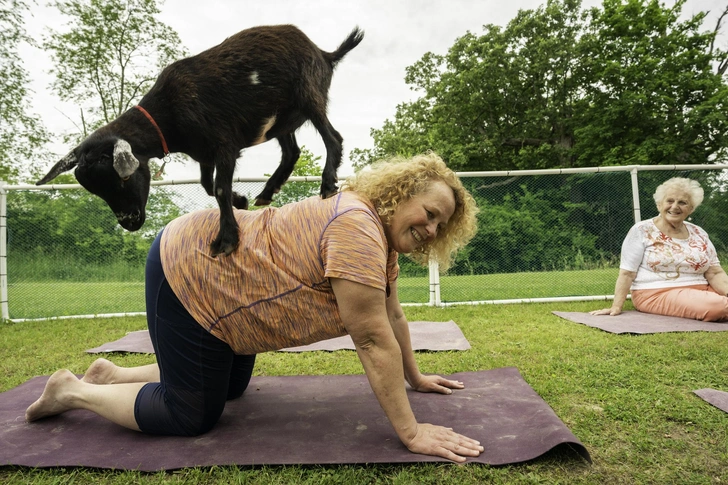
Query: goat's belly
x=266 y=127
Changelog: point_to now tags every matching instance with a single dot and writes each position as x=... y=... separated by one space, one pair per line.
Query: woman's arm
x=621 y=289
x=363 y=311
x=400 y=326
x=717 y=279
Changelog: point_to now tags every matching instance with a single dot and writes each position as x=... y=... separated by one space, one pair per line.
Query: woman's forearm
x=621 y=289
x=717 y=279
x=383 y=367
x=400 y=326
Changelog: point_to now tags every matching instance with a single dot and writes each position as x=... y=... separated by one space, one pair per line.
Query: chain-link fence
x=543 y=234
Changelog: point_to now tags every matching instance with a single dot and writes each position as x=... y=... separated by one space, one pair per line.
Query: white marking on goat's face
x=266 y=127
x=254 y=78
x=121 y=146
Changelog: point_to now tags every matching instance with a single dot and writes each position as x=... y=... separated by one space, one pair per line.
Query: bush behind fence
x=540 y=235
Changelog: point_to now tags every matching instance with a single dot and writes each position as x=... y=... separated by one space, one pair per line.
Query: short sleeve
x=633 y=249
x=711 y=253
x=354 y=248
x=392 y=266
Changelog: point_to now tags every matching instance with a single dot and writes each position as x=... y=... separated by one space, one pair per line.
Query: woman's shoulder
x=647 y=225
x=695 y=229
x=352 y=199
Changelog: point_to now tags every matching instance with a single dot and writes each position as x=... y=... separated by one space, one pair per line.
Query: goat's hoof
x=240 y=202
x=219 y=247
x=260 y=202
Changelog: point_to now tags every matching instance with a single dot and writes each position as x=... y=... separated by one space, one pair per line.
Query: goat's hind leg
x=289 y=156
x=334 y=150
x=227 y=239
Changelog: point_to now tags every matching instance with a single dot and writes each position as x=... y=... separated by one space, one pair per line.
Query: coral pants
x=698 y=302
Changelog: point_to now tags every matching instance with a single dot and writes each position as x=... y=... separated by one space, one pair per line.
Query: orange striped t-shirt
x=273 y=291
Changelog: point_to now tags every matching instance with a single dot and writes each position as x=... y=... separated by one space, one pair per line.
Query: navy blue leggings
x=198 y=371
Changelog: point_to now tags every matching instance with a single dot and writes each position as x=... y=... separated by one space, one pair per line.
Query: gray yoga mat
x=295 y=420
x=424 y=336
x=640 y=323
x=717 y=398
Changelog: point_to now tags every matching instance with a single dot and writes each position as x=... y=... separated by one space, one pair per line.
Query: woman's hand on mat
x=444 y=442
x=606 y=311
x=436 y=384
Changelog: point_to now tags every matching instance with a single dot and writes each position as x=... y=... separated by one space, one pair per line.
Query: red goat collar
x=154 y=123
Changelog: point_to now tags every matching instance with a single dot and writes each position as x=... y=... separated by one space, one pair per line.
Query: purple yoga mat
x=424 y=336
x=294 y=420
x=717 y=398
x=641 y=323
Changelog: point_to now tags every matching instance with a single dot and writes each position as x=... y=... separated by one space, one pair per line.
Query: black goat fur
x=259 y=84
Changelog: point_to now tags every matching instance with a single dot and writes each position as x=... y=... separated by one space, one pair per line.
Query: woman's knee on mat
x=242 y=370
x=717 y=312
x=175 y=412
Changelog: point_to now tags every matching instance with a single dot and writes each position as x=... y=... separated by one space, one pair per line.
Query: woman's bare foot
x=55 y=398
x=101 y=371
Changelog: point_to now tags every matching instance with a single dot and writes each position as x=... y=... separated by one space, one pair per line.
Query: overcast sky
x=367 y=85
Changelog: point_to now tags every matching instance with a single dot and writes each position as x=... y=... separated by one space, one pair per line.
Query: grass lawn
x=627 y=398
x=61 y=298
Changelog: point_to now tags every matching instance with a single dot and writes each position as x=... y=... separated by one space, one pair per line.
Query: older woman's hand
x=606 y=311
x=440 y=441
x=436 y=384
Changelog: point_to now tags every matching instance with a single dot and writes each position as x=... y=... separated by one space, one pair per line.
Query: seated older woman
x=669 y=264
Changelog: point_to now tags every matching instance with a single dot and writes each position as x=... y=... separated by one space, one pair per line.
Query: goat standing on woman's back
x=259 y=84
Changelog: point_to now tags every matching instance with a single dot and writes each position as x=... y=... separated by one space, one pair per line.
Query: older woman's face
x=418 y=220
x=675 y=206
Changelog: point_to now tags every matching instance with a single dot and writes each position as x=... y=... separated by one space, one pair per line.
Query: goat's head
x=106 y=166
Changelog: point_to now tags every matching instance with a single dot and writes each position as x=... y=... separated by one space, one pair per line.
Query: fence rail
x=544 y=235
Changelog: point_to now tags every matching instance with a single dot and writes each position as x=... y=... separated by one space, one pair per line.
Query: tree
x=562 y=87
x=110 y=56
x=105 y=62
x=651 y=95
x=294 y=191
x=22 y=134
x=76 y=227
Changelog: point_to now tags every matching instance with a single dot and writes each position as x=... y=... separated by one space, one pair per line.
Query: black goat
x=259 y=84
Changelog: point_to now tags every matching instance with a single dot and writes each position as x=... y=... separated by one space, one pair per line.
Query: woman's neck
x=678 y=230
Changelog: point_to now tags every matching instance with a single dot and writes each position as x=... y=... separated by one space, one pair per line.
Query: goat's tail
x=352 y=41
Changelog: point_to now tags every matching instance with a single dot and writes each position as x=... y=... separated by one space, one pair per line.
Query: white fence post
x=434 y=270
x=635 y=196
x=3 y=252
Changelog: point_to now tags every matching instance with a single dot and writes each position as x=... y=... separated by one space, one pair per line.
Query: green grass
x=61 y=298
x=24 y=267
x=628 y=399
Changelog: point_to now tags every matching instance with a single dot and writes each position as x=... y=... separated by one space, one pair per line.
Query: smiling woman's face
x=418 y=220
x=675 y=207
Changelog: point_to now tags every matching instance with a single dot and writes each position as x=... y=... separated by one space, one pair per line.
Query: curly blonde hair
x=689 y=186
x=390 y=182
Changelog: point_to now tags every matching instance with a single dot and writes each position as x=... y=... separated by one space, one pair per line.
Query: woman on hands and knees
x=669 y=264
x=305 y=272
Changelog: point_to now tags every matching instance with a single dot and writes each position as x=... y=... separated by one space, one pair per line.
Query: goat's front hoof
x=259 y=202
x=240 y=201
x=221 y=246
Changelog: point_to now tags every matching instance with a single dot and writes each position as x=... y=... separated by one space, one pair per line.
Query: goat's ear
x=125 y=163
x=66 y=163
